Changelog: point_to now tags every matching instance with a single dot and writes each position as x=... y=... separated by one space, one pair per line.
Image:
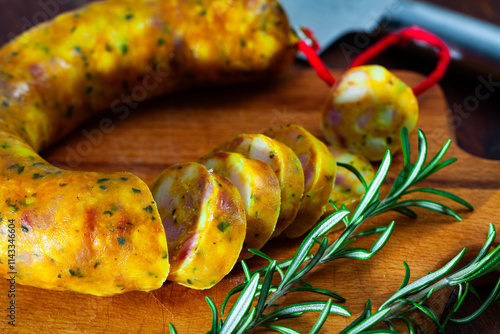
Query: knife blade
x=476 y=40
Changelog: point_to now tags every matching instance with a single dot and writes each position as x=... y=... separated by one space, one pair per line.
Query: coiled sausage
x=107 y=235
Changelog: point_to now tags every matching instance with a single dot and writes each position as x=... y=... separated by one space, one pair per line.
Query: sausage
x=204 y=221
x=366 y=110
x=348 y=190
x=58 y=74
x=259 y=189
x=61 y=72
x=285 y=164
x=319 y=174
x=76 y=231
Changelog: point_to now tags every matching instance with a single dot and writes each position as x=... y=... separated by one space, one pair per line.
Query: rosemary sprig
x=243 y=317
x=412 y=297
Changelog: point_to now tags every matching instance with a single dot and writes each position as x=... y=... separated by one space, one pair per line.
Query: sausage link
x=77 y=231
x=366 y=111
x=259 y=189
x=319 y=174
x=204 y=221
x=285 y=164
x=61 y=72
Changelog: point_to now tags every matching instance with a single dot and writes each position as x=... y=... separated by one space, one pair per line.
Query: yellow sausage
x=319 y=174
x=204 y=221
x=77 y=231
x=285 y=164
x=259 y=189
x=101 y=233
x=366 y=111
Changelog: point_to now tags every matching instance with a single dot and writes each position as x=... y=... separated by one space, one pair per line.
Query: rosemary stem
x=397 y=306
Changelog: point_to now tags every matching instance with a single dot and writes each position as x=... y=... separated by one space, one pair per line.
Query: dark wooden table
x=478 y=133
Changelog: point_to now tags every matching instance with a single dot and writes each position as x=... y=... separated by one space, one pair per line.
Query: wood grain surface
x=184 y=126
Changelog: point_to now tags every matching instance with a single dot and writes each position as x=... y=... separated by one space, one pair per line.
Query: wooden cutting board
x=183 y=127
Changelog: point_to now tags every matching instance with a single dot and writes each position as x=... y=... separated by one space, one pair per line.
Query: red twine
x=402 y=37
x=312 y=57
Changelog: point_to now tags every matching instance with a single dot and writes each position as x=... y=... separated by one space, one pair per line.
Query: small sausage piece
x=348 y=190
x=204 y=221
x=366 y=111
x=285 y=164
x=259 y=189
x=319 y=174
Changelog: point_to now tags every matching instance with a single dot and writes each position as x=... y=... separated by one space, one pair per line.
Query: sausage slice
x=260 y=192
x=204 y=221
x=319 y=174
x=285 y=164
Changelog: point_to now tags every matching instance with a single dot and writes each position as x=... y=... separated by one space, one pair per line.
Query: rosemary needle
x=258 y=289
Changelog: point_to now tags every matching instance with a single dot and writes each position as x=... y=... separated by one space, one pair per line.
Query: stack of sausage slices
x=247 y=190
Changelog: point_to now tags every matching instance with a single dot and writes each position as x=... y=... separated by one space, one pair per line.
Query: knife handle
x=474 y=42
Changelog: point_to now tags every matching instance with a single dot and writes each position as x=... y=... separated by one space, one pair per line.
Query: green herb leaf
x=241 y=307
x=353 y=170
x=215 y=317
x=222 y=226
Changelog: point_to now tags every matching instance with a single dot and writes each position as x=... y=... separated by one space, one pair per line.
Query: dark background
x=478 y=133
